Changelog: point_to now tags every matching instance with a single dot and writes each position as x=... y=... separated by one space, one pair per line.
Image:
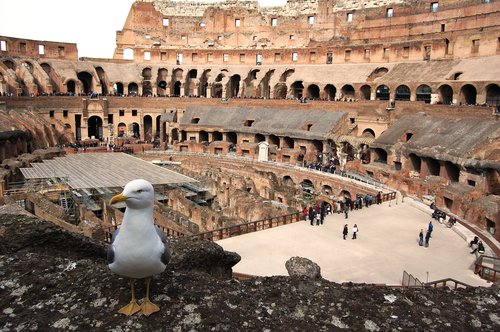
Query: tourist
x=430 y=229
x=479 y=248
x=305 y=213
x=354 y=231
x=323 y=212
x=311 y=214
x=473 y=242
x=379 y=197
x=346 y=211
x=345 y=231
x=421 y=237
x=427 y=238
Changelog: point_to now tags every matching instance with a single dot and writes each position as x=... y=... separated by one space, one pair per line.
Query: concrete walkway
x=387 y=244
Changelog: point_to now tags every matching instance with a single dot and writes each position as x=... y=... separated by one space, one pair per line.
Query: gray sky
x=92 y=24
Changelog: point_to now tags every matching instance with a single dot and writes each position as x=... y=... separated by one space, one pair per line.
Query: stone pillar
x=139 y=90
x=154 y=90
x=2 y=187
x=413 y=95
x=182 y=94
x=209 y=90
x=125 y=90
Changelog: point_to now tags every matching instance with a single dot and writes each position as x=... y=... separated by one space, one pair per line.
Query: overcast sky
x=92 y=24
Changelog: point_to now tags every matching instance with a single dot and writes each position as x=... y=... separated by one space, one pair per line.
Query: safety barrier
x=488 y=268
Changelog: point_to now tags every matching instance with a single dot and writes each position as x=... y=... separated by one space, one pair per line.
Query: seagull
x=138 y=248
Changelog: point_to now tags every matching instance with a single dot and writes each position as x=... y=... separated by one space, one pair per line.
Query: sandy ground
x=387 y=245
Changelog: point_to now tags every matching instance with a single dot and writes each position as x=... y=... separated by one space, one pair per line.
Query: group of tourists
x=355 y=230
x=476 y=245
x=317 y=213
x=427 y=238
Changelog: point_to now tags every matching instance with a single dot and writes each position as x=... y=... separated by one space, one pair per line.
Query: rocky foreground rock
x=53 y=280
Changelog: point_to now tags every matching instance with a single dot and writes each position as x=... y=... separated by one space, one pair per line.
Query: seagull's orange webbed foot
x=133 y=307
x=147 y=307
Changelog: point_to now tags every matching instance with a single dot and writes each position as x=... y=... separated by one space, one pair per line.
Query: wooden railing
x=488 y=268
x=444 y=283
x=389 y=196
x=249 y=227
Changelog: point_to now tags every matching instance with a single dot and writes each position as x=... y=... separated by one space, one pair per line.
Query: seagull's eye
x=140 y=191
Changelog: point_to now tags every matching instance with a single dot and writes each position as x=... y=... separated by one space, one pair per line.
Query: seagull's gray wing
x=165 y=257
x=111 y=252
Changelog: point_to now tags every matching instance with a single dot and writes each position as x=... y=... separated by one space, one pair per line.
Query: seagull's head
x=137 y=194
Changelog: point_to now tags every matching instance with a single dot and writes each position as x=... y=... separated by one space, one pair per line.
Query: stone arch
x=313 y=91
x=203 y=136
x=288 y=181
x=380 y=155
x=161 y=82
x=424 y=93
x=122 y=129
x=383 y=92
x=103 y=80
x=9 y=64
x=159 y=127
x=147 y=89
x=280 y=90
x=330 y=91
x=204 y=82
x=118 y=89
x=296 y=89
x=86 y=79
x=368 y=132
x=403 y=92
x=94 y=125
x=468 y=94
x=259 y=138
x=148 y=128
x=307 y=184
x=46 y=68
x=378 y=72
x=365 y=92
x=133 y=89
x=71 y=86
x=177 y=82
x=286 y=75
x=492 y=94
x=135 y=130
x=232 y=137
x=233 y=88
x=273 y=139
x=327 y=190
x=191 y=83
x=445 y=94
x=347 y=91
x=346 y=194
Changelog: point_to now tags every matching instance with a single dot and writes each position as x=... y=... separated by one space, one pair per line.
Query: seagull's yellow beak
x=118 y=198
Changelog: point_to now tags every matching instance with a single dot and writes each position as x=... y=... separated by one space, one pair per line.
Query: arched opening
x=46 y=68
x=424 y=93
x=9 y=64
x=148 y=128
x=468 y=94
x=273 y=139
x=280 y=90
x=383 y=92
x=259 y=138
x=203 y=136
x=368 y=132
x=128 y=54
x=175 y=135
x=330 y=92
x=71 y=87
x=133 y=89
x=402 y=93
x=102 y=80
x=136 y=130
x=95 y=127
x=122 y=129
x=118 y=89
x=327 y=190
x=286 y=75
x=452 y=171
x=313 y=91
x=232 y=137
x=493 y=95
x=158 y=125
x=365 y=92
x=380 y=156
x=288 y=181
x=348 y=149
x=296 y=89
x=307 y=186
x=378 y=72
x=147 y=89
x=288 y=143
x=86 y=80
x=216 y=136
x=204 y=82
x=415 y=162
x=348 y=91
x=234 y=86
x=346 y=195
x=318 y=146
x=161 y=82
x=177 y=89
x=445 y=94
x=433 y=166
x=183 y=136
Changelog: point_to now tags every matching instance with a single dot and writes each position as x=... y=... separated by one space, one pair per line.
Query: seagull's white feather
x=137 y=248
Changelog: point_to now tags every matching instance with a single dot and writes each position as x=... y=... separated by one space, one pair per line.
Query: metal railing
x=249 y=227
x=488 y=268
x=410 y=281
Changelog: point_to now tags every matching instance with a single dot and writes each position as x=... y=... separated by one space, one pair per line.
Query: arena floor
x=386 y=246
